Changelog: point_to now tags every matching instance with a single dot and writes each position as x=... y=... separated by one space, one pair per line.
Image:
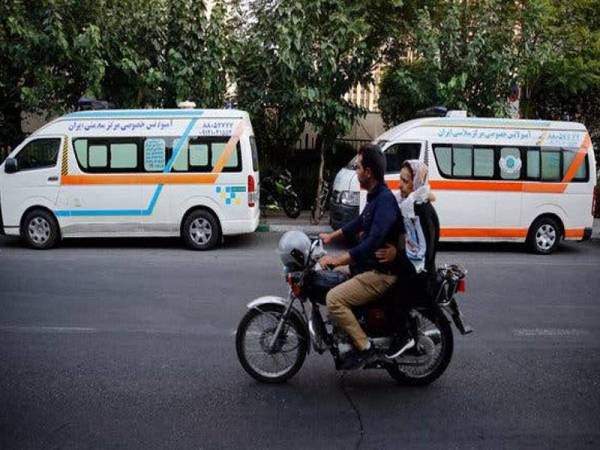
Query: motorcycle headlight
x=350 y=198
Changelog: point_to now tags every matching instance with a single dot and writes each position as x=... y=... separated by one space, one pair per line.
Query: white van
x=494 y=179
x=190 y=173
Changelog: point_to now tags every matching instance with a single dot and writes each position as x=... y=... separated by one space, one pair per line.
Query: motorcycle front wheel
x=427 y=361
x=252 y=341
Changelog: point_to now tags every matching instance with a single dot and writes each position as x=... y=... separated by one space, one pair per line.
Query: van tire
x=201 y=230
x=544 y=236
x=40 y=230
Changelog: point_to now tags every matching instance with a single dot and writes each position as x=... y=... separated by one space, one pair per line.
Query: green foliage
x=465 y=59
x=134 y=53
x=563 y=78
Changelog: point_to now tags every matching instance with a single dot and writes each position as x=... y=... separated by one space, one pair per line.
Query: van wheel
x=40 y=230
x=544 y=236
x=201 y=230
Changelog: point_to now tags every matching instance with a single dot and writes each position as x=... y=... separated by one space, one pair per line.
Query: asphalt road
x=129 y=344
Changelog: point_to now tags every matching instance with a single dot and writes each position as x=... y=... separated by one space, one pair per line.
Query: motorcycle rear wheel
x=252 y=337
x=291 y=206
x=402 y=373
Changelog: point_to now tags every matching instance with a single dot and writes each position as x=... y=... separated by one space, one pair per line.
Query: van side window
x=569 y=155
x=533 y=164
x=155 y=155
x=462 y=161
x=548 y=164
x=123 y=156
x=443 y=156
x=254 y=154
x=181 y=160
x=105 y=155
x=510 y=163
x=199 y=155
x=217 y=151
x=38 y=154
x=551 y=165
x=97 y=156
x=483 y=162
x=398 y=153
x=80 y=146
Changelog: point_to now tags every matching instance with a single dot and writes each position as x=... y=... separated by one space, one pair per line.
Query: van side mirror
x=10 y=165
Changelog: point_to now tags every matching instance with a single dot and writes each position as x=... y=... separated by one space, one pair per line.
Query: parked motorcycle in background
x=276 y=193
x=275 y=335
x=323 y=201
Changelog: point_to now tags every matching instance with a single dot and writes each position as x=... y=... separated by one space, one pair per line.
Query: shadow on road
x=500 y=247
x=174 y=243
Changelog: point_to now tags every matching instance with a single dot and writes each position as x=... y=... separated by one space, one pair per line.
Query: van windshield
x=352 y=164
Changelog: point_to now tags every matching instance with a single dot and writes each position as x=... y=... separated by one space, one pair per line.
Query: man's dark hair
x=373 y=158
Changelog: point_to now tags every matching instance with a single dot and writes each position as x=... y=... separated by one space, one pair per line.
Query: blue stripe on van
x=133 y=212
x=135 y=113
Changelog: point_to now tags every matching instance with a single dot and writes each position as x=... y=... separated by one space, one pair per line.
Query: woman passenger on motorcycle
x=415 y=265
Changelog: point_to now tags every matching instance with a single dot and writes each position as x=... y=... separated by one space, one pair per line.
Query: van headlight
x=350 y=198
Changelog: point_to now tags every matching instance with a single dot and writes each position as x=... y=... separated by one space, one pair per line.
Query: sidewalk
x=277 y=221
x=280 y=223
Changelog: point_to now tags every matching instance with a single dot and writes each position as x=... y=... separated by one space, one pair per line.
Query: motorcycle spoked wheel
x=408 y=371
x=251 y=342
x=291 y=206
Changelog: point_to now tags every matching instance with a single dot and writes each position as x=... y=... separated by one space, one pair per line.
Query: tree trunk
x=316 y=216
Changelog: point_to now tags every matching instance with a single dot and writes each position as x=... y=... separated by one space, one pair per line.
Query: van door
x=459 y=176
x=103 y=197
x=36 y=181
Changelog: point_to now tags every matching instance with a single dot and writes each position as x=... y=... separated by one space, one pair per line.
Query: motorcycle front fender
x=267 y=300
x=280 y=301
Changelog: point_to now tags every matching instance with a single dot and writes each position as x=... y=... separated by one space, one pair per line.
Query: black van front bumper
x=340 y=215
x=587 y=234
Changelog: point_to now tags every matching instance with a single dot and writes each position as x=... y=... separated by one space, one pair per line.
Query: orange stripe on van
x=576 y=164
x=166 y=178
x=484 y=232
x=503 y=186
x=478 y=185
x=574 y=233
x=393 y=184
x=571 y=233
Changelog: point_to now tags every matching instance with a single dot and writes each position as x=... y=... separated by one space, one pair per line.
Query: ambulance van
x=119 y=173
x=494 y=179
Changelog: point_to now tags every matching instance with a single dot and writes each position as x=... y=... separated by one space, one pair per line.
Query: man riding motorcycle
x=276 y=334
x=377 y=224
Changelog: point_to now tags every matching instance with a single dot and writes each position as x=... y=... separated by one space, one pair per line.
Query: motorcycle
x=276 y=334
x=276 y=193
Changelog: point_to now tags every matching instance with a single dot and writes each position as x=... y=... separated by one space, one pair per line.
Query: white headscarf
x=421 y=192
x=416 y=246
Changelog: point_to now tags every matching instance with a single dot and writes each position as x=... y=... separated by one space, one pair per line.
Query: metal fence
x=309 y=141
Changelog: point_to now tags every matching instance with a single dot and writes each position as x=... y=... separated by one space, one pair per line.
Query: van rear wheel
x=201 y=230
x=544 y=236
x=40 y=230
